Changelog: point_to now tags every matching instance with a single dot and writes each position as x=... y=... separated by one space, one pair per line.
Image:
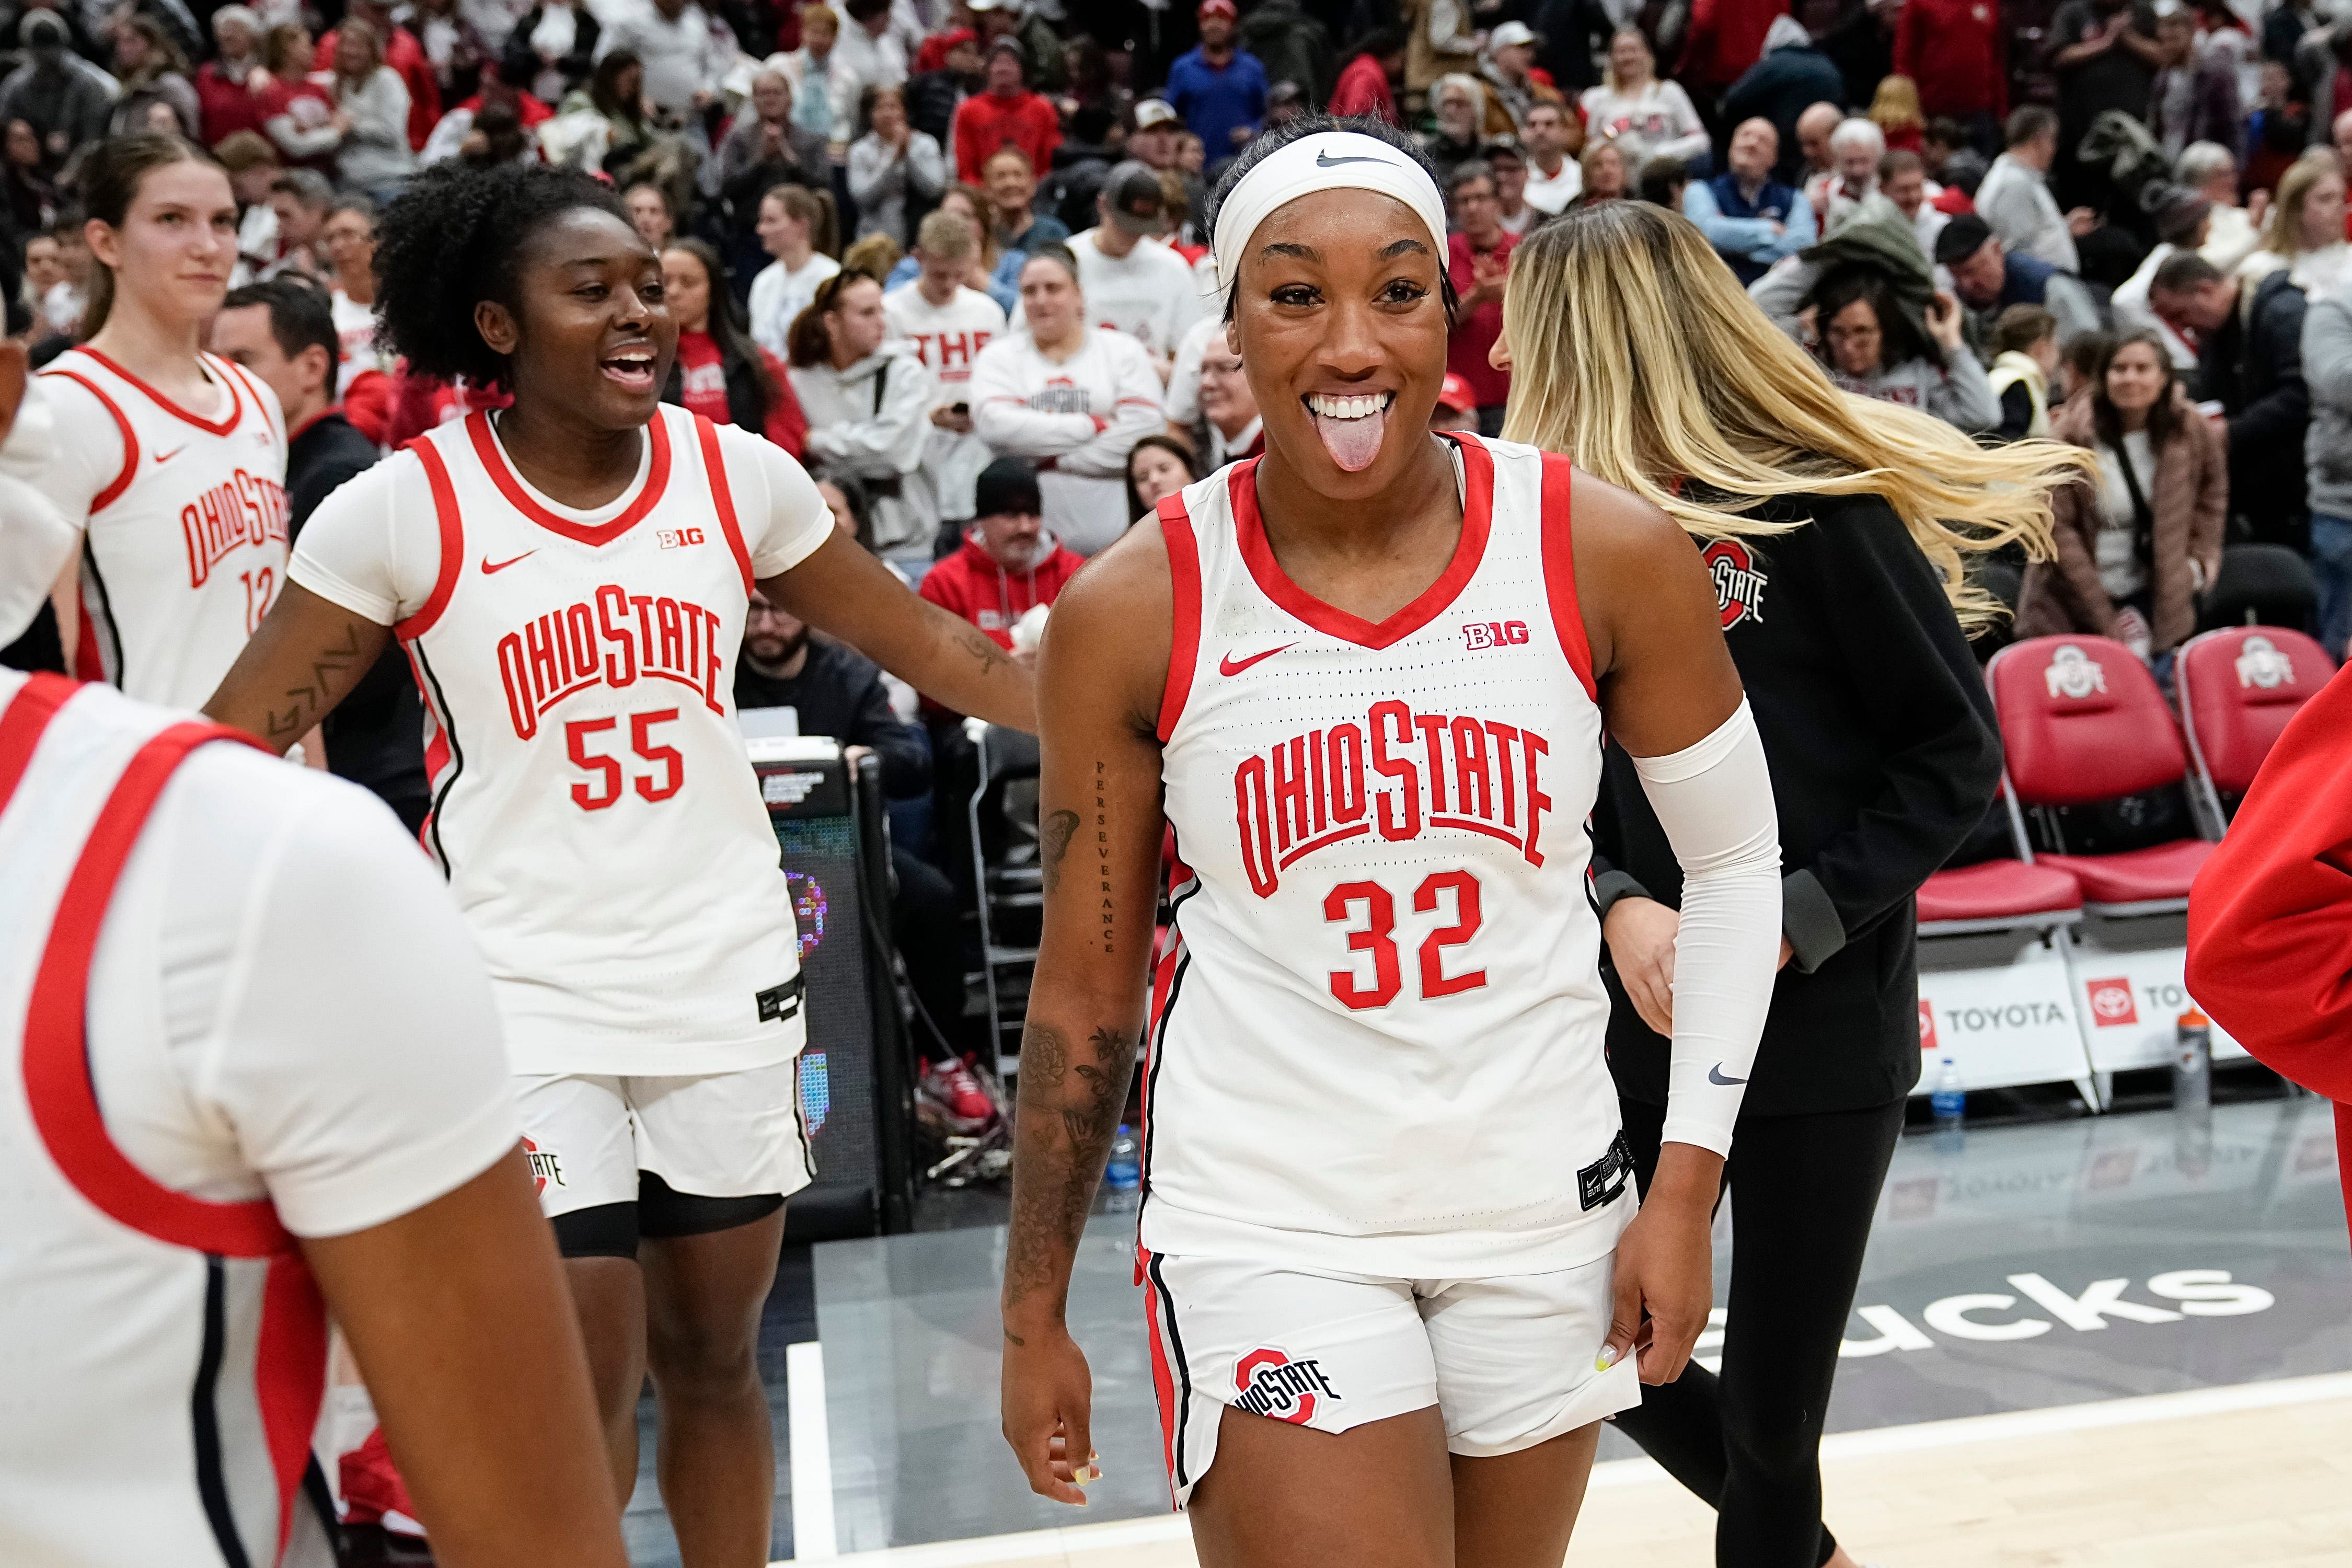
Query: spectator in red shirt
x=721 y=374
x=1368 y=85
x=1007 y=115
x=1008 y=564
x=1479 y=261
x=405 y=55
x=1953 y=50
x=231 y=87
x=1725 y=38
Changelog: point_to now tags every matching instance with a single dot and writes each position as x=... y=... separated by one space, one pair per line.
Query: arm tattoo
x=1102 y=855
x=1060 y=1150
x=311 y=699
x=1053 y=842
x=983 y=648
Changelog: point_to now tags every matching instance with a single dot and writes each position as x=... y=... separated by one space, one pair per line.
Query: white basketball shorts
x=1508 y=1360
x=717 y=1135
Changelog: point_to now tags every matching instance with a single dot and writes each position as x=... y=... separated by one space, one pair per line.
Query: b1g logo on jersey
x=2111 y=1003
x=1738 y=583
x=1495 y=634
x=544 y=1167
x=248 y=508
x=1399 y=772
x=676 y=538
x=1268 y=1382
x=622 y=638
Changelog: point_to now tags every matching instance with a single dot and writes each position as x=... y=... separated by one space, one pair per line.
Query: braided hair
x=452 y=238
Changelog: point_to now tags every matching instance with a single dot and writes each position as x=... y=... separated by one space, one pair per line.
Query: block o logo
x=2111 y=1003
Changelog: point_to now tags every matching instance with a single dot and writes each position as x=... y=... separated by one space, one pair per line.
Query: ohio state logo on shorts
x=2111 y=1003
x=1738 y=585
x=1270 y=1384
x=545 y=1166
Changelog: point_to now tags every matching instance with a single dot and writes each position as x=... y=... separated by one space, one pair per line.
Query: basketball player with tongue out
x=1389 y=1247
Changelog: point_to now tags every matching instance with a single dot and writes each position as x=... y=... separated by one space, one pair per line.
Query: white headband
x=1327 y=160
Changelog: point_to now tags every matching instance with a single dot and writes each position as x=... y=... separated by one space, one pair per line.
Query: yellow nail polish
x=1606 y=1359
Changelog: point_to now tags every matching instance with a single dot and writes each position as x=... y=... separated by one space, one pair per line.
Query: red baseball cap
x=1218 y=9
x=1456 y=395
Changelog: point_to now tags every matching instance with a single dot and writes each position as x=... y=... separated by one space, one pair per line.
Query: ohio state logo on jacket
x=1739 y=582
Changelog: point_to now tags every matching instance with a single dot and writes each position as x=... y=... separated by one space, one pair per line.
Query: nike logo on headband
x=1323 y=160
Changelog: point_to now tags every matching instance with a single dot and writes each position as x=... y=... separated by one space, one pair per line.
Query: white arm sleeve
x=1714 y=800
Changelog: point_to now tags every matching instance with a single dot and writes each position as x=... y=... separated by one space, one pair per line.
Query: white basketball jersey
x=186 y=548
x=592 y=801
x=168 y=1353
x=1378 y=1025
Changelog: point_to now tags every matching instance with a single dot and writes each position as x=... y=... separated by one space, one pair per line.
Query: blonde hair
x=1896 y=105
x=1636 y=353
x=1608 y=70
x=2284 y=233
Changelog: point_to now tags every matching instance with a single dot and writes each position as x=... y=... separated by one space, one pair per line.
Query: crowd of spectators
x=952 y=253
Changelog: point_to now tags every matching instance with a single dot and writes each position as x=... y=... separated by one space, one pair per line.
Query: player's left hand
x=1666 y=1274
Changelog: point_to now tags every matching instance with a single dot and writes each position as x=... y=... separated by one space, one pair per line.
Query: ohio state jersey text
x=245 y=508
x=614 y=638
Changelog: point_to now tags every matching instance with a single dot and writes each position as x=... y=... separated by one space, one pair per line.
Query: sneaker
x=955 y=1089
x=373 y=1492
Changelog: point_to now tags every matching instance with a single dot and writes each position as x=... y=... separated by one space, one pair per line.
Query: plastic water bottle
x=1124 y=1175
x=1949 y=1101
x=2192 y=1064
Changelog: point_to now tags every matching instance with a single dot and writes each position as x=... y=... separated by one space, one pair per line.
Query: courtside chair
x=2238 y=686
x=2085 y=722
x=2003 y=894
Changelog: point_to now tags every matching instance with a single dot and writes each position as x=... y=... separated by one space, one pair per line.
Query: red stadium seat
x=2238 y=688
x=2084 y=722
x=1998 y=895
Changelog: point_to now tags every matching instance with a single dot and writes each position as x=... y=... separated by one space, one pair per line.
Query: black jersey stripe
x=105 y=616
x=212 y=1483
x=456 y=752
x=1183 y=1367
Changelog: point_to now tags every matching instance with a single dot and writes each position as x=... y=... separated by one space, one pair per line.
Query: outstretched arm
x=843 y=591
x=306 y=657
x=1671 y=698
x=1101 y=671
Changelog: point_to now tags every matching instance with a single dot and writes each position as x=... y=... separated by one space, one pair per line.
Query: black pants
x=926 y=923
x=1747 y=1440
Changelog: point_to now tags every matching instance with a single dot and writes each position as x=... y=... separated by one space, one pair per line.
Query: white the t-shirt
x=2116 y=548
x=1085 y=413
x=355 y=331
x=1149 y=293
x=284 y=1000
x=779 y=294
x=1552 y=192
x=948 y=338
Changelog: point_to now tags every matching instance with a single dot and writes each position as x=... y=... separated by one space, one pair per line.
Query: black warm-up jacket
x=1880 y=737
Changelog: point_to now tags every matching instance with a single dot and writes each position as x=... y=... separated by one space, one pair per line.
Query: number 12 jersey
x=592 y=803
x=1378 y=1021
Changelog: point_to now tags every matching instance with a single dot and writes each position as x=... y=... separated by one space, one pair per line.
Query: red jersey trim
x=113 y=492
x=289 y=1376
x=219 y=368
x=1559 y=569
x=453 y=541
x=56 y=1059
x=1477 y=519
x=486 y=448
x=1185 y=580
x=721 y=496
x=253 y=390
x=23 y=722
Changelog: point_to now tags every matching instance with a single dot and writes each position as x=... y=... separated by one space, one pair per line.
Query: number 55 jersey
x=1378 y=1021
x=592 y=803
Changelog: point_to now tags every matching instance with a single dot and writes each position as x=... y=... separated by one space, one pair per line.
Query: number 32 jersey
x=592 y=801
x=1377 y=1022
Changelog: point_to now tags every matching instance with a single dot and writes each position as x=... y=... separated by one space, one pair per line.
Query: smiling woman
x=1365 y=676
x=570 y=580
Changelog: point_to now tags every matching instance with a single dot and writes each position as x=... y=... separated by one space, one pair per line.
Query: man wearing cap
x=1456 y=407
x=1219 y=89
x=1509 y=73
x=1006 y=115
x=1009 y=563
x=1988 y=280
x=2182 y=217
x=1133 y=283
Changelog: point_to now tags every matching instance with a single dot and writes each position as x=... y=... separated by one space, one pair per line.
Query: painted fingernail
x=1606 y=1359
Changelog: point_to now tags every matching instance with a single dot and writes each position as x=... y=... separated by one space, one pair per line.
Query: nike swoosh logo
x=1323 y=160
x=488 y=568
x=163 y=458
x=1229 y=665
x=1715 y=1075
